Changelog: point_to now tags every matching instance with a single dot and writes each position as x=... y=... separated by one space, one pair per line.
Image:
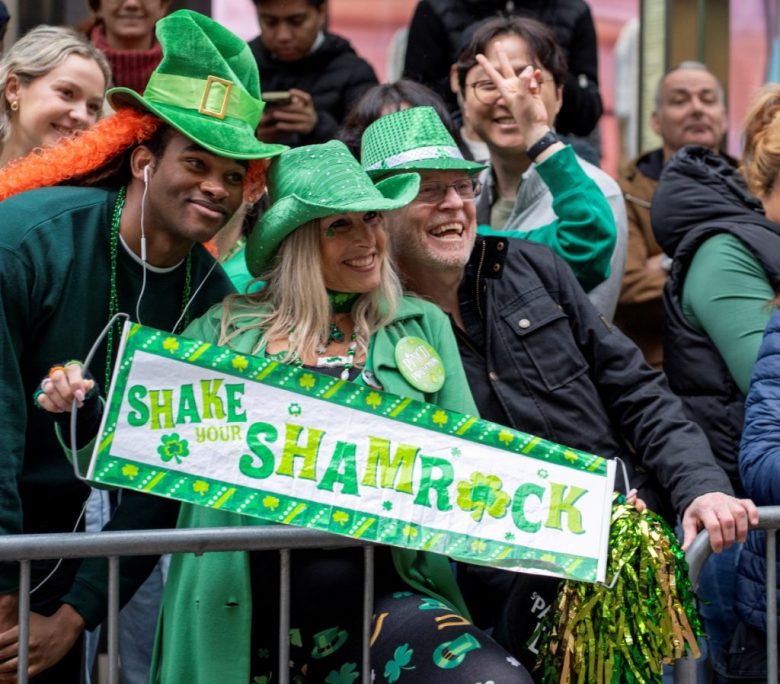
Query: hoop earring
x=15 y=106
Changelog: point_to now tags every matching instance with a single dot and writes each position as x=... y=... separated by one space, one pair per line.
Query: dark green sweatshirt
x=55 y=267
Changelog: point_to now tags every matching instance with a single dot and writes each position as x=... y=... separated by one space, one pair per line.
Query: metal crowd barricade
x=697 y=555
x=112 y=545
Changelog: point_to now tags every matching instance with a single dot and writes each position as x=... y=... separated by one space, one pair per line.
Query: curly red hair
x=94 y=149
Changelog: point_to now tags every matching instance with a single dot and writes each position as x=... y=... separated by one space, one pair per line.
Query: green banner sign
x=205 y=425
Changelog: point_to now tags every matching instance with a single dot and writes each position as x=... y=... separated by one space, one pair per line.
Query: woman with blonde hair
x=721 y=227
x=333 y=304
x=52 y=84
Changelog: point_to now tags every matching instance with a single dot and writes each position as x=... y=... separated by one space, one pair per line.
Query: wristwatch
x=549 y=138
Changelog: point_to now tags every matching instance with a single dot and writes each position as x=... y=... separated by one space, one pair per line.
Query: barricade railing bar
x=697 y=555
x=112 y=545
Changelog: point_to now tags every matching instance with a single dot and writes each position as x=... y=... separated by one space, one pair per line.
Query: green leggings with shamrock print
x=415 y=638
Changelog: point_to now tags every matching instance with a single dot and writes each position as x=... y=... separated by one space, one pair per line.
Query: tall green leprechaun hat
x=206 y=86
x=311 y=182
x=412 y=139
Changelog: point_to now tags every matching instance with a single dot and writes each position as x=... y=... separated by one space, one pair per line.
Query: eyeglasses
x=487 y=92
x=434 y=192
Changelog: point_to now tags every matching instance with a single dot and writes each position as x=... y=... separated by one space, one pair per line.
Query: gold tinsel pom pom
x=602 y=635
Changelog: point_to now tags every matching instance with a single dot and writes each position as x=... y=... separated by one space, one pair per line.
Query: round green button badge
x=420 y=364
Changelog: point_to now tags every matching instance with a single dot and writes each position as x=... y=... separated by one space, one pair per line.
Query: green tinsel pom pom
x=598 y=635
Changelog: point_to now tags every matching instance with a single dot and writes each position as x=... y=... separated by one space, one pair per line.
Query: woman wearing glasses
x=516 y=196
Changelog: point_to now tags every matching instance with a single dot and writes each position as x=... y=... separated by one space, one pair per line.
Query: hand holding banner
x=205 y=425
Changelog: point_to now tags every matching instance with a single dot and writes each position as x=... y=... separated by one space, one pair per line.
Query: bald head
x=690 y=109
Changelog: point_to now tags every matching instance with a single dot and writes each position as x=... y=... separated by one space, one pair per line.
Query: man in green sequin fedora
x=110 y=222
x=538 y=356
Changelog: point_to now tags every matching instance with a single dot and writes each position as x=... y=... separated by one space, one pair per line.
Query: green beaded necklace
x=113 y=299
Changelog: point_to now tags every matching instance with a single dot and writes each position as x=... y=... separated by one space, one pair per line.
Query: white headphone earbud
x=146 y=174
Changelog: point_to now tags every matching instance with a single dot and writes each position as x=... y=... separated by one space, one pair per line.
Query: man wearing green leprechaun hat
x=537 y=354
x=155 y=180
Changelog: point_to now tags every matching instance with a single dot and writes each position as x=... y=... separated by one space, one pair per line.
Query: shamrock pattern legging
x=415 y=638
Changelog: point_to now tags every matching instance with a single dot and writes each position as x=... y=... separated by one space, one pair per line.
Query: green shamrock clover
x=200 y=487
x=478 y=546
x=170 y=344
x=409 y=531
x=172 y=447
x=374 y=400
x=482 y=493
x=130 y=471
x=402 y=656
x=294 y=409
x=307 y=381
x=346 y=675
x=271 y=502
x=432 y=604
x=240 y=363
x=506 y=437
x=543 y=473
x=440 y=418
x=387 y=505
x=340 y=517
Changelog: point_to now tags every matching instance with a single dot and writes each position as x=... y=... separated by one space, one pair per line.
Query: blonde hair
x=294 y=302
x=38 y=52
x=761 y=152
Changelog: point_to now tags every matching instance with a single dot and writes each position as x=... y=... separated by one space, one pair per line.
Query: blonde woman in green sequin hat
x=332 y=302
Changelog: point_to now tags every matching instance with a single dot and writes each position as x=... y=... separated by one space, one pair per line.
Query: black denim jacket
x=560 y=371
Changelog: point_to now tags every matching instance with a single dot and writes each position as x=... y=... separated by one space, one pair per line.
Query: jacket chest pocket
x=539 y=330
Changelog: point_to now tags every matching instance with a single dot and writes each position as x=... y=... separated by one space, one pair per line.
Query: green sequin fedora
x=314 y=181
x=207 y=87
x=412 y=139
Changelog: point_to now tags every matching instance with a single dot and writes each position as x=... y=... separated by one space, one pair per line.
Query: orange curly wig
x=98 y=149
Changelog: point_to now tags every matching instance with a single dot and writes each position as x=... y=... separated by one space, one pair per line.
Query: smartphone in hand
x=277 y=98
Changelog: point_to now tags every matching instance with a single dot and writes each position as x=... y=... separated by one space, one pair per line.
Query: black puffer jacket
x=698 y=196
x=333 y=75
x=435 y=37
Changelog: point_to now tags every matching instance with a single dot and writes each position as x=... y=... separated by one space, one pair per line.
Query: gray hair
x=38 y=52
x=688 y=65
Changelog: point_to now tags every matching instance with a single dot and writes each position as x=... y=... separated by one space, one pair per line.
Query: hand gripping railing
x=697 y=555
x=27 y=548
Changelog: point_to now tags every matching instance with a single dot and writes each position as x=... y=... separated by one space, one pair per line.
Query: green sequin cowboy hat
x=311 y=182
x=412 y=139
x=206 y=86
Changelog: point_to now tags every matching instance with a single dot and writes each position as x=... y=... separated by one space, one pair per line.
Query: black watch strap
x=549 y=138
